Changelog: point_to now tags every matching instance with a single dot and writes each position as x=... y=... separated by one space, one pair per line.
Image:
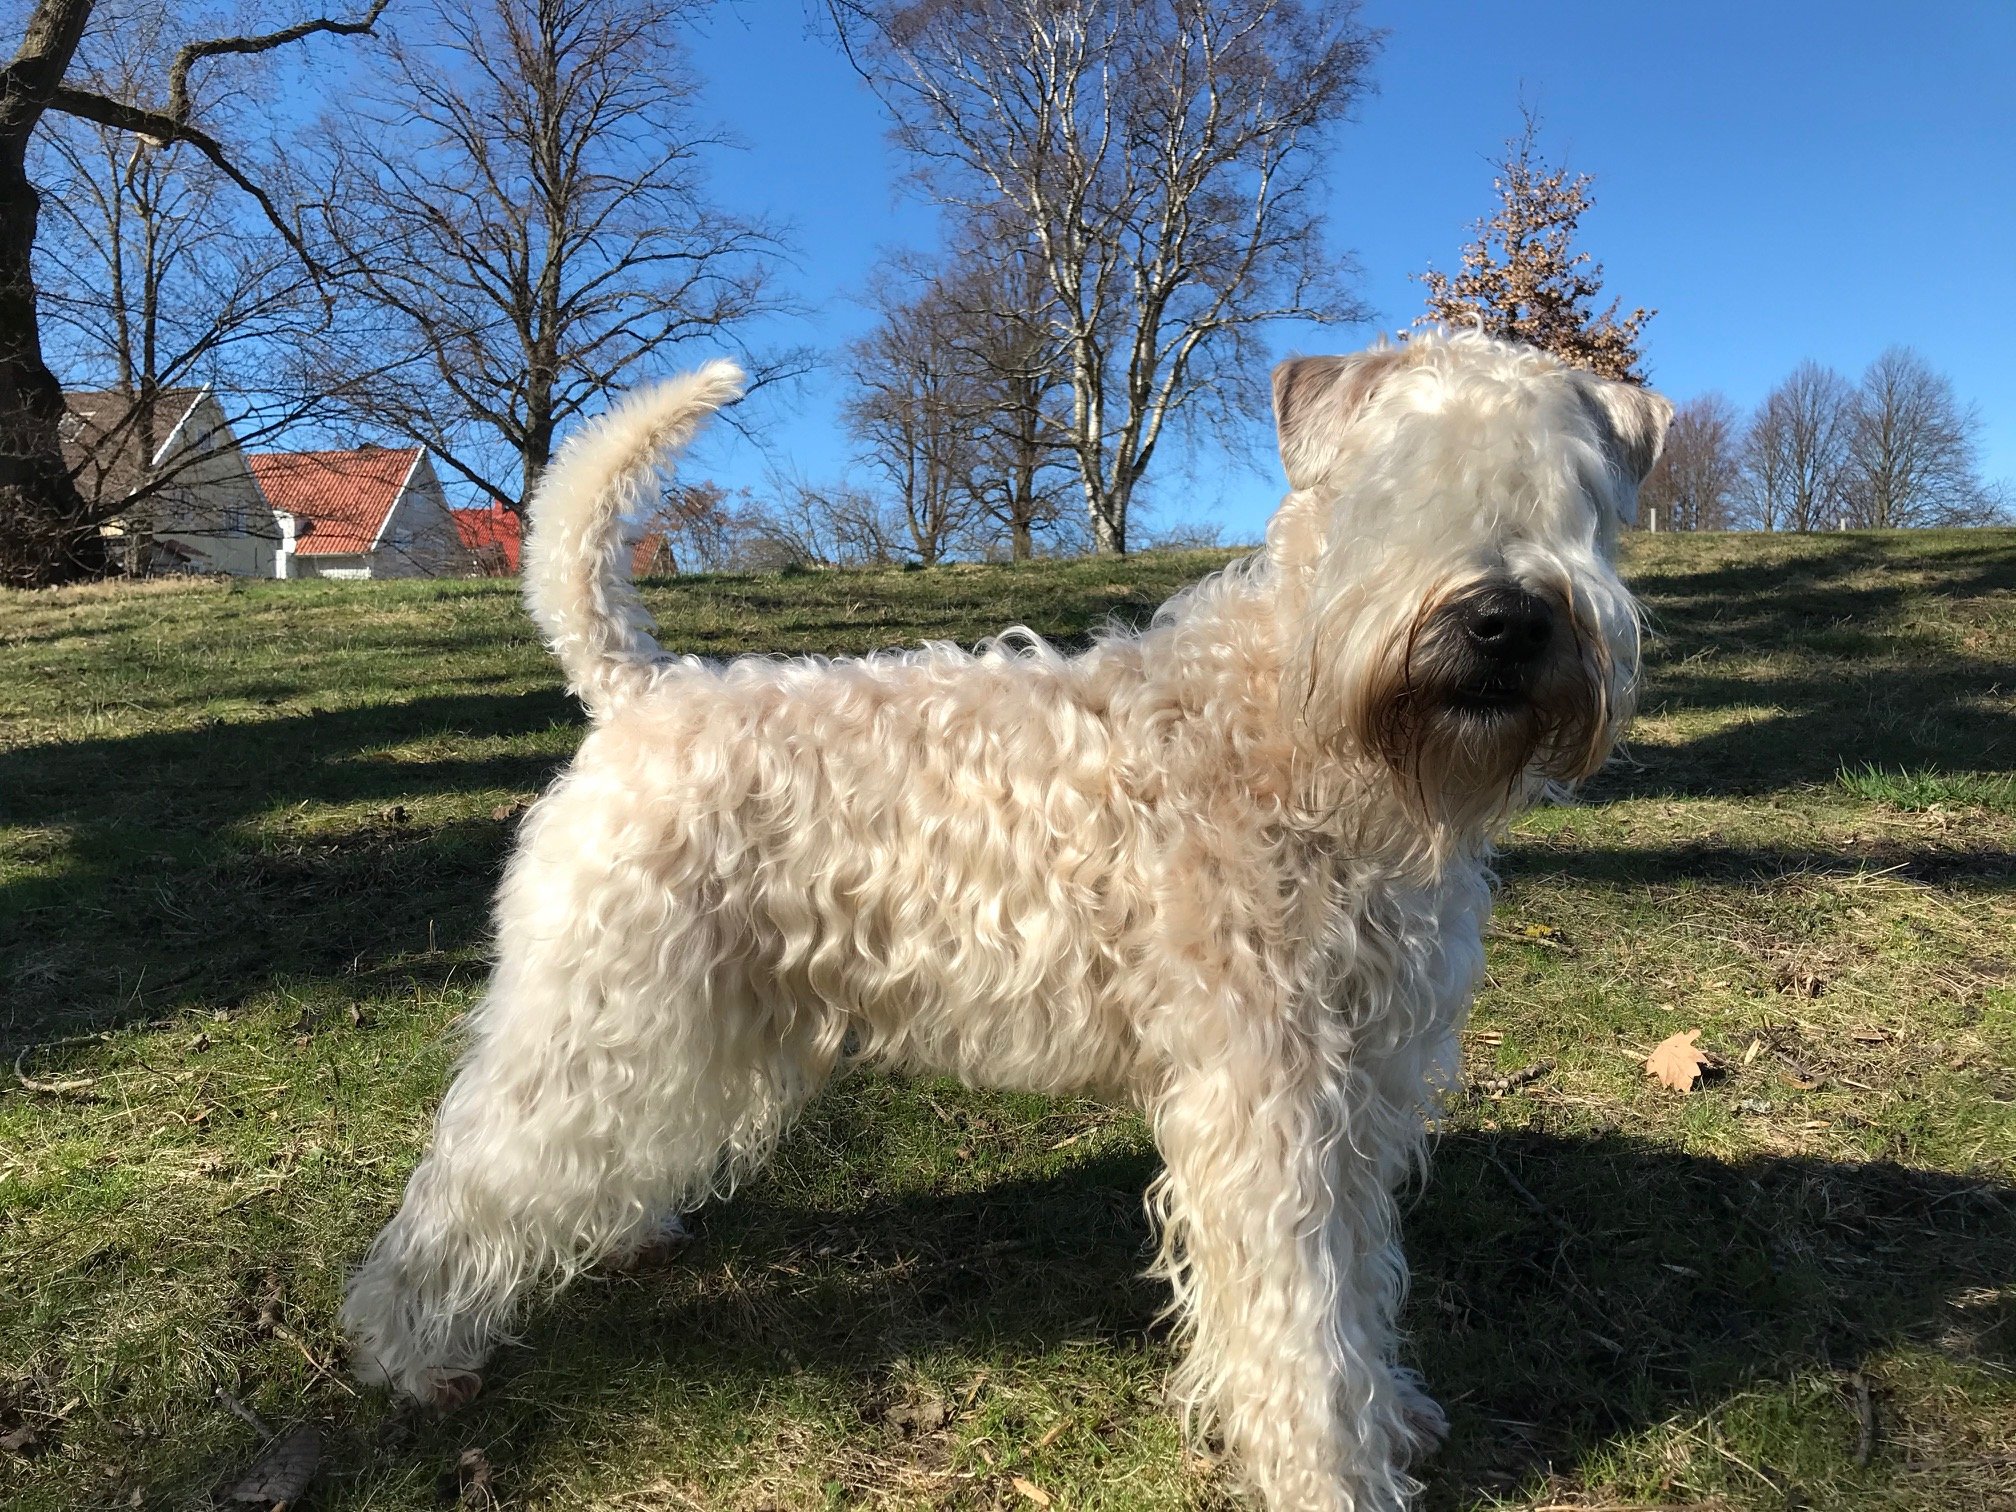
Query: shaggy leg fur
x=1278 y=1241
x=597 y=1097
x=526 y=1179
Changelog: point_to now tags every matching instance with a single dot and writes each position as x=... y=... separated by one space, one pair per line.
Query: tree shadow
x=1845 y=610
x=1631 y=866
x=1567 y=1291
x=150 y=890
x=141 y=887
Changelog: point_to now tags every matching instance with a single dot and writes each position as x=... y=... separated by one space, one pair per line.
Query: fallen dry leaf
x=1798 y=981
x=1677 y=1060
x=281 y=1474
x=1033 y=1491
x=470 y=1484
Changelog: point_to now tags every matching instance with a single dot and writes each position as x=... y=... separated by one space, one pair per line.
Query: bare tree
x=1700 y=473
x=955 y=401
x=1913 y=455
x=1795 y=453
x=154 y=280
x=813 y=525
x=1522 y=278
x=522 y=213
x=47 y=534
x=996 y=317
x=1161 y=159
x=916 y=412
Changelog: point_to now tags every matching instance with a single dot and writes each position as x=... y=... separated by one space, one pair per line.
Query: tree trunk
x=535 y=455
x=46 y=533
x=1108 y=509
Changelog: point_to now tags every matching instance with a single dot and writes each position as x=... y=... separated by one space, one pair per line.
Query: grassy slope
x=245 y=840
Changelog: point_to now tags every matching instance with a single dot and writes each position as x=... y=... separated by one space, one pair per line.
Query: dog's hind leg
x=597 y=1096
x=1276 y=1236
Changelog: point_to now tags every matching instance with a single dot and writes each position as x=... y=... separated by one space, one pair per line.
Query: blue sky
x=1780 y=180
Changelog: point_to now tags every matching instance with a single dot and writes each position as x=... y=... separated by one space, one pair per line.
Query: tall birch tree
x=1161 y=160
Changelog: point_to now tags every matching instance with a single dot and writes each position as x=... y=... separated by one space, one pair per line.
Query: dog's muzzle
x=1503 y=636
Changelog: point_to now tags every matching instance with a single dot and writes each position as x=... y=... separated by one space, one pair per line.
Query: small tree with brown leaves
x=1522 y=278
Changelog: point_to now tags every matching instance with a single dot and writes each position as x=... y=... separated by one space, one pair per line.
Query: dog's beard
x=1469 y=749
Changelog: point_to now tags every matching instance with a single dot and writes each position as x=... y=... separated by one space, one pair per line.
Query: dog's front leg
x=1277 y=1235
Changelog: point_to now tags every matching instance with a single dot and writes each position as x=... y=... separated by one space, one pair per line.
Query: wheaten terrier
x=1233 y=869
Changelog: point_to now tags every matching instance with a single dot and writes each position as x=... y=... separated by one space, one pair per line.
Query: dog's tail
x=577 y=558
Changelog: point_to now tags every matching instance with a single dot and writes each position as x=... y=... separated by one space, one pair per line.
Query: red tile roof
x=495 y=533
x=340 y=498
x=491 y=533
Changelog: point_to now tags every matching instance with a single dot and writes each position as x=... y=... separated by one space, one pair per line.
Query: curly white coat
x=1185 y=869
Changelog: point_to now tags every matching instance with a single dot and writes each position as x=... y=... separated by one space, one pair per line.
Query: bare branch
x=164 y=129
x=196 y=52
x=523 y=223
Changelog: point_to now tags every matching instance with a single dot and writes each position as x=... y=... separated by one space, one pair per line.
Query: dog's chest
x=1402 y=958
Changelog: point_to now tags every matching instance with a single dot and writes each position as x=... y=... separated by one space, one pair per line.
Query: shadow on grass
x=1567 y=1291
x=1855 y=694
x=148 y=892
x=153 y=894
x=1633 y=866
x=1943 y=717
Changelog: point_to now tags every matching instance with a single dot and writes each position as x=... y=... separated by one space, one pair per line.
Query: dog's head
x=1453 y=610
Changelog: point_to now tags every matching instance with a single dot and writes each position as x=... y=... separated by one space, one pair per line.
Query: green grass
x=1926 y=791
x=247 y=834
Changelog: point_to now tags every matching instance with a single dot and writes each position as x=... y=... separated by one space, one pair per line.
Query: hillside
x=247 y=834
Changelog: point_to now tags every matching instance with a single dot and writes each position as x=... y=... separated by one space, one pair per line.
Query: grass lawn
x=247 y=834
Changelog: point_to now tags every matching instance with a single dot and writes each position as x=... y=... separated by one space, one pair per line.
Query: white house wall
x=214 y=509
x=419 y=538
x=341 y=565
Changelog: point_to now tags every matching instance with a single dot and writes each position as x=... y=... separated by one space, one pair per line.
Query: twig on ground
x=240 y=1411
x=1865 y=1420
x=76 y=1086
x=282 y=1331
x=1498 y=1086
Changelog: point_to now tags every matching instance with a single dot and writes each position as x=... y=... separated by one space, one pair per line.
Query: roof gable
x=494 y=529
x=113 y=442
x=341 y=499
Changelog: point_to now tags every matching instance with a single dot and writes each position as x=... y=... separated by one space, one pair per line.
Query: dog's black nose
x=1508 y=626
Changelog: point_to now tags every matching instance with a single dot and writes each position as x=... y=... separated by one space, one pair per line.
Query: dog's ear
x=1634 y=421
x=1315 y=398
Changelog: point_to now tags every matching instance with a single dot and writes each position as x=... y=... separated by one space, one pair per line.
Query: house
x=491 y=536
x=166 y=477
x=370 y=512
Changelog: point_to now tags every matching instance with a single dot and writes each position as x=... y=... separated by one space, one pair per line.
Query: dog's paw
x=1422 y=1419
x=658 y=1248
x=446 y=1390
x=369 y=1369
